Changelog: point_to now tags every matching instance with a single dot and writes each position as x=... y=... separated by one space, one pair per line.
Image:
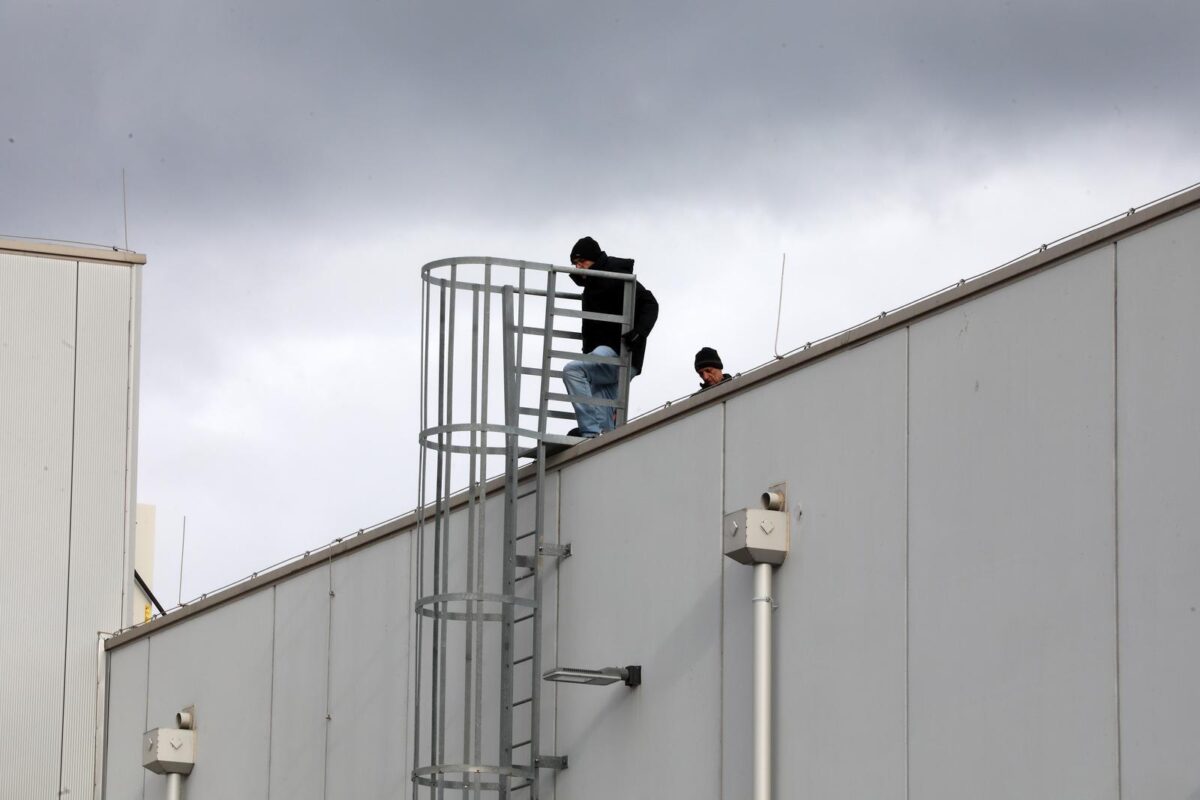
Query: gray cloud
x=291 y=164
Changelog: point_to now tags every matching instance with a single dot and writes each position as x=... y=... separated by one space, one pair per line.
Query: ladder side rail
x=520 y=321
x=421 y=501
x=469 y=709
x=625 y=371
x=477 y=753
x=444 y=663
x=544 y=389
x=439 y=503
x=535 y=689
x=512 y=401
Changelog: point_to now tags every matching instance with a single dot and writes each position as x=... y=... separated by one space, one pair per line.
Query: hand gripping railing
x=460 y=592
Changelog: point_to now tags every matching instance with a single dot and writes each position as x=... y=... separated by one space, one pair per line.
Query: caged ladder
x=478 y=635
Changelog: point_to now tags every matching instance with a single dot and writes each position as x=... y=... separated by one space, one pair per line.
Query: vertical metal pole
x=422 y=459
x=174 y=786
x=481 y=540
x=445 y=577
x=182 y=546
x=468 y=629
x=763 y=603
x=535 y=706
x=626 y=368
x=437 y=690
x=512 y=420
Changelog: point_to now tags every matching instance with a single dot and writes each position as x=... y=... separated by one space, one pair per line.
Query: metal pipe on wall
x=174 y=786
x=763 y=606
x=761 y=539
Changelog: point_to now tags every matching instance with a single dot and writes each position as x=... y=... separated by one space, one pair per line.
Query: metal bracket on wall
x=555 y=550
x=552 y=762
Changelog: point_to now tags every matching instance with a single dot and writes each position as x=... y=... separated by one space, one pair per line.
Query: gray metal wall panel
x=1012 y=542
x=369 y=731
x=37 y=366
x=643 y=587
x=221 y=663
x=1158 y=361
x=836 y=434
x=299 y=686
x=98 y=505
x=124 y=777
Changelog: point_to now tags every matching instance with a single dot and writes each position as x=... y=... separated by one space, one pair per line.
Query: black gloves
x=633 y=338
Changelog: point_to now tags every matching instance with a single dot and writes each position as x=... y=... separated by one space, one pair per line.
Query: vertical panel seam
x=557 y=622
x=146 y=706
x=409 y=656
x=62 y=731
x=271 y=693
x=129 y=534
x=328 y=673
x=907 y=555
x=721 y=626
x=1117 y=521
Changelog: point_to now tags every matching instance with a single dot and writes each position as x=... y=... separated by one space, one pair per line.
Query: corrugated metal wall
x=65 y=412
x=992 y=591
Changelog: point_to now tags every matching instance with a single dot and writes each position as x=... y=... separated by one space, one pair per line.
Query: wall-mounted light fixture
x=631 y=676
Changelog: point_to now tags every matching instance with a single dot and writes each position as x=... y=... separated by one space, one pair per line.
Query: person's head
x=709 y=366
x=585 y=253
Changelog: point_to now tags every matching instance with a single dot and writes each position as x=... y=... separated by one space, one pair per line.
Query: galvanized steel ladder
x=517 y=606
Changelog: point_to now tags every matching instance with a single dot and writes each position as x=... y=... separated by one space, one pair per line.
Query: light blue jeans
x=589 y=379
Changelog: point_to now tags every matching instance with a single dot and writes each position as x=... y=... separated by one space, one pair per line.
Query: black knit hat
x=587 y=249
x=707 y=357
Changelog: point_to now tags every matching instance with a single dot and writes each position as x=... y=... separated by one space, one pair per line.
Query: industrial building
x=69 y=331
x=991 y=590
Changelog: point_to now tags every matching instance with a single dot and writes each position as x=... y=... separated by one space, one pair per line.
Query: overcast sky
x=291 y=165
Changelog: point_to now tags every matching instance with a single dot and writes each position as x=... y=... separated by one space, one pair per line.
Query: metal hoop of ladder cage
x=483 y=612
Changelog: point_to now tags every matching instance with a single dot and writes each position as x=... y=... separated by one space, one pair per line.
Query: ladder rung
x=554 y=333
x=592 y=315
x=522 y=660
x=522 y=702
x=586 y=357
x=522 y=619
x=526 y=535
x=553 y=373
x=533 y=412
x=522 y=744
x=526 y=576
x=585 y=400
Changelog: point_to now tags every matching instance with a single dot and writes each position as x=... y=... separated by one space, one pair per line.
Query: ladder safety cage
x=471 y=610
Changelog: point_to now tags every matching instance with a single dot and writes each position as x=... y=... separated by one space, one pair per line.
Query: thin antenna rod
x=182 y=545
x=779 y=314
x=125 y=207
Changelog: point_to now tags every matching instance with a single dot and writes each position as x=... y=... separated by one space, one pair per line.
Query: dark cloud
x=274 y=111
x=291 y=164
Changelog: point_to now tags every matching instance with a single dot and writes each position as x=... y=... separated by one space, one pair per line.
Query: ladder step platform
x=553 y=448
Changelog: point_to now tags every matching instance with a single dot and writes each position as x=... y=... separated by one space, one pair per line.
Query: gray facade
x=68 y=394
x=992 y=591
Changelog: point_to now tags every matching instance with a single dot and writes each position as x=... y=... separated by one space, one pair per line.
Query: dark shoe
x=574 y=432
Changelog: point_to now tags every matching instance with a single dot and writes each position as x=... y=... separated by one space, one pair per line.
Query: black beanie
x=587 y=249
x=707 y=357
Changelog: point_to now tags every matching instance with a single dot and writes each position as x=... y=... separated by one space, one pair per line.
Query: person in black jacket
x=605 y=296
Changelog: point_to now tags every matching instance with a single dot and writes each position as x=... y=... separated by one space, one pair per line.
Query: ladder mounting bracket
x=552 y=762
x=555 y=550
